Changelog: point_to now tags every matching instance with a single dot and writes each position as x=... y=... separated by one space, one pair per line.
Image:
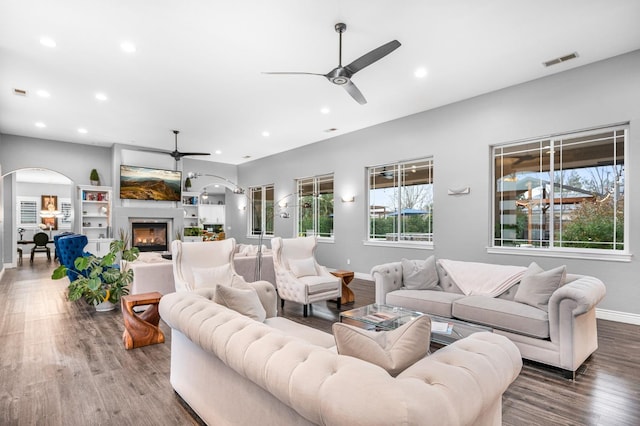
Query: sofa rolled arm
x=585 y=291
x=387 y=278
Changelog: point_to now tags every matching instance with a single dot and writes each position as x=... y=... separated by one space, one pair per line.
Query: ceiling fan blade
x=294 y=73
x=373 y=56
x=183 y=154
x=354 y=92
x=157 y=151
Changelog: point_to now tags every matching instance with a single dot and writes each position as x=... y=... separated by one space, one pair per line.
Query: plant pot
x=95 y=182
x=105 y=306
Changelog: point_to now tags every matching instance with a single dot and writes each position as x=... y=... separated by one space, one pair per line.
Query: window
x=28 y=208
x=563 y=192
x=261 y=219
x=315 y=206
x=65 y=209
x=401 y=202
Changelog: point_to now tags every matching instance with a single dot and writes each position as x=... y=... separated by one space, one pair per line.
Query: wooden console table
x=141 y=329
x=347 y=276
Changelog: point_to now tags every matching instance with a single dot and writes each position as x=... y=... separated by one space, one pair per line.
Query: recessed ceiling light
x=101 y=96
x=43 y=93
x=41 y=124
x=421 y=72
x=325 y=110
x=266 y=134
x=128 y=47
x=47 y=41
x=81 y=130
x=218 y=152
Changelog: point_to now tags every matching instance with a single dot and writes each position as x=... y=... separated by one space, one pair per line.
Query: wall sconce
x=242 y=208
x=348 y=199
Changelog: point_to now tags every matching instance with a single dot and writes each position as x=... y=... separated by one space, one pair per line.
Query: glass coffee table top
x=387 y=317
x=380 y=317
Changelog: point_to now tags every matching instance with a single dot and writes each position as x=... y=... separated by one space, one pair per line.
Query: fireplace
x=150 y=236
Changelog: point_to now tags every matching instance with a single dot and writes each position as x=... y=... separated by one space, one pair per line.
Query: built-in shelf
x=95 y=204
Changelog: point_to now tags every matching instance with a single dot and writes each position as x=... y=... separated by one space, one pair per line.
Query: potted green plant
x=101 y=281
x=94 y=177
x=187 y=184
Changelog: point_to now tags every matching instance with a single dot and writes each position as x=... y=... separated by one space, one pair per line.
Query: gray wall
x=459 y=137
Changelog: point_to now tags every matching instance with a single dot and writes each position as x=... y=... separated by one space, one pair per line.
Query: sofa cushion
x=538 y=285
x=433 y=302
x=503 y=314
x=419 y=274
x=241 y=300
x=320 y=283
x=306 y=333
x=209 y=277
x=392 y=350
x=303 y=267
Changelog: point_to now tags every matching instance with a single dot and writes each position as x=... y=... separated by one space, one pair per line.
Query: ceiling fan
x=177 y=155
x=342 y=75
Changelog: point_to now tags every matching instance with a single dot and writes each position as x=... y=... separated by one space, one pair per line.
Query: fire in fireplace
x=149 y=236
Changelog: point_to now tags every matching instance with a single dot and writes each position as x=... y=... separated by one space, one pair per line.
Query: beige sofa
x=234 y=370
x=561 y=333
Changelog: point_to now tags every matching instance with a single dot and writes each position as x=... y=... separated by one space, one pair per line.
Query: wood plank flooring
x=61 y=363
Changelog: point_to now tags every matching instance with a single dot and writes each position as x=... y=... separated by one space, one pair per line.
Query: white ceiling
x=198 y=64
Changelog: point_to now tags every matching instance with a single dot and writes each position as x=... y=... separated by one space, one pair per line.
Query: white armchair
x=202 y=265
x=299 y=278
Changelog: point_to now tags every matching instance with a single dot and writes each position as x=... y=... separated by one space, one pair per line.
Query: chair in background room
x=299 y=278
x=69 y=248
x=40 y=241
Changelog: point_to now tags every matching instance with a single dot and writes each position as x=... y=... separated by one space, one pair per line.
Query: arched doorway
x=34 y=200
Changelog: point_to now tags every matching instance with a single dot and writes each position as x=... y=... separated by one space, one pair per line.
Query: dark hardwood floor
x=61 y=363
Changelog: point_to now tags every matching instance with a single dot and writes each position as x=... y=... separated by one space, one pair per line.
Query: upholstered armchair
x=299 y=278
x=201 y=265
x=70 y=247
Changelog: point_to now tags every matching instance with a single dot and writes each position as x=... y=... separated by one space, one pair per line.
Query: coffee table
x=388 y=317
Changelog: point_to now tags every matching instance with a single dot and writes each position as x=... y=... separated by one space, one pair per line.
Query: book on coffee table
x=380 y=316
x=441 y=327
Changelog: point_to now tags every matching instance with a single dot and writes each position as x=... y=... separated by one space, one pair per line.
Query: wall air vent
x=561 y=59
x=19 y=92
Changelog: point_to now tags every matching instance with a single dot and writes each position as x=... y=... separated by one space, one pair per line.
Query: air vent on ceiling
x=561 y=59
x=246 y=157
x=19 y=92
x=333 y=129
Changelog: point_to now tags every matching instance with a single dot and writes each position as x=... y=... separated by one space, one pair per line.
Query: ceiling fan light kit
x=341 y=76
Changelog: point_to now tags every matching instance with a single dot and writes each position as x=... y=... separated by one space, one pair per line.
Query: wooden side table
x=141 y=329
x=347 y=276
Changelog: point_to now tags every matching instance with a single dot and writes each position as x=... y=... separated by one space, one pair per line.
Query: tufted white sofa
x=563 y=337
x=233 y=370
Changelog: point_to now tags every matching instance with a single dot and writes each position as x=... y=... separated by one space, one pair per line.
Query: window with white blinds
x=27 y=213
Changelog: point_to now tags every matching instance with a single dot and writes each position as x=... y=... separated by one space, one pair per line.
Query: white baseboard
x=363 y=276
x=618 y=316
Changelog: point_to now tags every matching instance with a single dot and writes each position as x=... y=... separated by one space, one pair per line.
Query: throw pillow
x=303 y=267
x=537 y=285
x=393 y=350
x=420 y=274
x=209 y=277
x=242 y=300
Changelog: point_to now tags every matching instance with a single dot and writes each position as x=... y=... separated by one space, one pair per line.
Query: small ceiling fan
x=177 y=155
x=342 y=75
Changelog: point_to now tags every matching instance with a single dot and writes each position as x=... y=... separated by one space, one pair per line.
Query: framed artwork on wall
x=49 y=213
